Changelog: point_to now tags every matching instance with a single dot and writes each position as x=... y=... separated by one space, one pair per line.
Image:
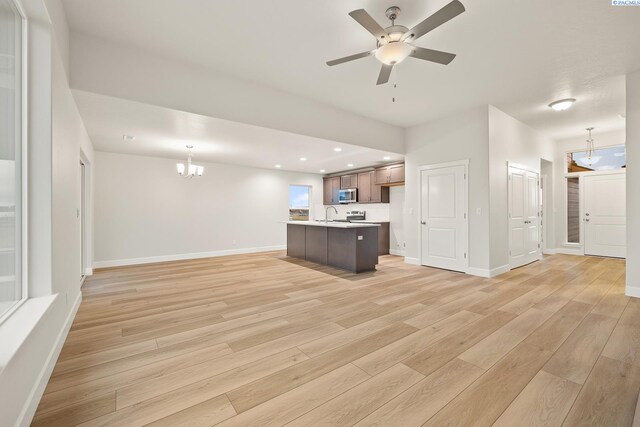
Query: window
x=573 y=210
x=609 y=158
x=299 y=202
x=11 y=155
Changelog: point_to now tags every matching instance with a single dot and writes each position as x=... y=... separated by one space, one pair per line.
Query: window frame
x=24 y=171
x=576 y=150
x=308 y=209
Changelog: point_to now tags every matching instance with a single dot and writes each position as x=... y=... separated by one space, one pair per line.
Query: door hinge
x=465 y=216
x=465 y=255
x=465 y=176
x=538 y=245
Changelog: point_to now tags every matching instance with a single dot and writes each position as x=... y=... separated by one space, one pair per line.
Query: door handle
x=423 y=222
x=586 y=219
x=587 y=214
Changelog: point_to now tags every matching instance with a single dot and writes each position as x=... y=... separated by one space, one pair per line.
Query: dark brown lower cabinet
x=384 y=238
x=353 y=249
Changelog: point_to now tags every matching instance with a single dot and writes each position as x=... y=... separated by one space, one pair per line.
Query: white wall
x=563 y=146
x=33 y=336
x=397 y=213
x=633 y=184
x=145 y=212
x=98 y=66
x=461 y=136
x=509 y=141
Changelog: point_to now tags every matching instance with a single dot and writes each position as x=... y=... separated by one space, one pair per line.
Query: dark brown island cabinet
x=373 y=185
x=349 y=246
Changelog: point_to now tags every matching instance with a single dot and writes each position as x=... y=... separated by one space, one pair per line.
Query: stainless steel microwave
x=349 y=195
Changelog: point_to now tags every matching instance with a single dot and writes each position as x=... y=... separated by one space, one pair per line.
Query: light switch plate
x=360 y=237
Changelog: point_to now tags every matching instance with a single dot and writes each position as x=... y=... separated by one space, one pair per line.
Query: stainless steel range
x=356 y=215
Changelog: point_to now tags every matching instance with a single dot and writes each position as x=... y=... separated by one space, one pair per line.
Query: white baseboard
x=632 y=291
x=412 y=261
x=569 y=251
x=549 y=251
x=88 y=271
x=485 y=272
x=38 y=390
x=396 y=252
x=181 y=257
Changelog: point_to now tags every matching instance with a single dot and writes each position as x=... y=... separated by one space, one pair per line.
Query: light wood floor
x=257 y=340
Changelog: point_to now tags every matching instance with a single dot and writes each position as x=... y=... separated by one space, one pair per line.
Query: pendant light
x=191 y=169
x=590 y=159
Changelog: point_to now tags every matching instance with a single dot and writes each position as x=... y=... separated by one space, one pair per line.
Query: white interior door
x=524 y=220
x=443 y=218
x=604 y=215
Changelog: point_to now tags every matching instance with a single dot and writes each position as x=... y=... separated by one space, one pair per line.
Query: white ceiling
x=162 y=132
x=517 y=55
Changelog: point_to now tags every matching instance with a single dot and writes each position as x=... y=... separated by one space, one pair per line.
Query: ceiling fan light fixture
x=393 y=53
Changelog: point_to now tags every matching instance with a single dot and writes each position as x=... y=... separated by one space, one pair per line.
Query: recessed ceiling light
x=386 y=158
x=563 y=104
x=128 y=137
x=337 y=149
x=303 y=159
x=350 y=165
x=278 y=166
x=322 y=171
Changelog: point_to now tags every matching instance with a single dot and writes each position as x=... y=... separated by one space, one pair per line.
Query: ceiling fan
x=394 y=42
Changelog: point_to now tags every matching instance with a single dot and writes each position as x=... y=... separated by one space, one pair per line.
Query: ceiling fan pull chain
x=395 y=83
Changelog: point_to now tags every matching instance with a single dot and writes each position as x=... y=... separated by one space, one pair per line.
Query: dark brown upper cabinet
x=390 y=175
x=330 y=190
x=349 y=181
x=368 y=191
x=364 y=187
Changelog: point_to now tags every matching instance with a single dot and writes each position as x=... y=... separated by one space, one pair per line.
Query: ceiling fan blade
x=445 y=14
x=349 y=58
x=385 y=72
x=432 y=55
x=369 y=23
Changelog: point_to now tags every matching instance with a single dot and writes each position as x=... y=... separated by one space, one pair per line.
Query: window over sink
x=299 y=202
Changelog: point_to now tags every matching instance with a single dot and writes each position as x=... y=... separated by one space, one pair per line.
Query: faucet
x=326 y=213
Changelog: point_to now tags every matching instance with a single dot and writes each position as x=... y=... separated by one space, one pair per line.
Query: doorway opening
x=81 y=217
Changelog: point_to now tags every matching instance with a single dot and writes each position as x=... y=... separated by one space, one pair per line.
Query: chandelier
x=191 y=169
x=590 y=159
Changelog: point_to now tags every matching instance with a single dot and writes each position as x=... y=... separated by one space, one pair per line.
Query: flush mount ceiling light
x=590 y=159
x=393 y=44
x=386 y=158
x=322 y=171
x=337 y=149
x=191 y=169
x=278 y=166
x=128 y=138
x=562 y=104
x=350 y=165
x=303 y=159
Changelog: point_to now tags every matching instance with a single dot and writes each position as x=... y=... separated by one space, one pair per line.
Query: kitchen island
x=346 y=245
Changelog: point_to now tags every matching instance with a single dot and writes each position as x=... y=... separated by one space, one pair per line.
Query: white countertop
x=333 y=224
